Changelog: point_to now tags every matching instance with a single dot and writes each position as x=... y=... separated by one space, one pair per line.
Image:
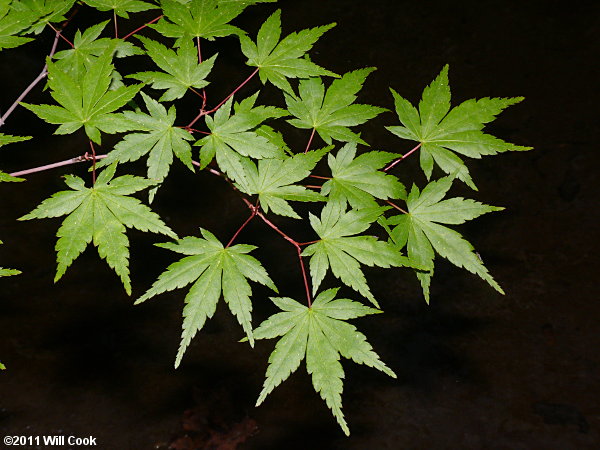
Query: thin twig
x=252 y=215
x=116 y=25
x=66 y=162
x=393 y=163
x=61 y=36
x=312 y=135
x=93 y=163
x=156 y=19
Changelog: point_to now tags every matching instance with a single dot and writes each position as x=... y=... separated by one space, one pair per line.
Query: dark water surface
x=476 y=370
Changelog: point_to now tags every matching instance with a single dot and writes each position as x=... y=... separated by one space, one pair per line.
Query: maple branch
x=312 y=134
x=93 y=162
x=67 y=162
x=156 y=19
x=34 y=83
x=393 y=163
x=396 y=206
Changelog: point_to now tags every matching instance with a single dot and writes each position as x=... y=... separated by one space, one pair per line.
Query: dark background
x=475 y=369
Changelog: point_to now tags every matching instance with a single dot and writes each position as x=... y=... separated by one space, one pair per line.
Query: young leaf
x=99 y=214
x=87 y=46
x=160 y=141
x=182 y=69
x=319 y=335
x=232 y=138
x=421 y=232
x=121 y=7
x=212 y=269
x=443 y=132
x=279 y=60
x=358 y=180
x=273 y=180
x=343 y=252
x=206 y=19
x=86 y=102
x=332 y=113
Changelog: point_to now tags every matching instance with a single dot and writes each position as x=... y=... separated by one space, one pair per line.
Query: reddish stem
x=252 y=215
x=291 y=241
x=142 y=27
x=396 y=206
x=312 y=135
x=312 y=186
x=393 y=163
x=93 y=163
x=60 y=35
x=116 y=25
x=203 y=112
x=320 y=178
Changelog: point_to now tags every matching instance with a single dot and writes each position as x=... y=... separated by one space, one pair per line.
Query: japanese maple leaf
x=121 y=7
x=160 y=140
x=181 y=69
x=213 y=269
x=273 y=181
x=99 y=214
x=279 y=60
x=358 y=180
x=13 y=21
x=87 y=46
x=331 y=114
x=206 y=19
x=340 y=249
x=320 y=335
x=422 y=233
x=443 y=132
x=43 y=11
x=233 y=137
x=86 y=102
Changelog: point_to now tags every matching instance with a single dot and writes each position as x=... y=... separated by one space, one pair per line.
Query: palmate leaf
x=443 y=132
x=273 y=181
x=160 y=141
x=12 y=22
x=320 y=335
x=332 y=113
x=421 y=232
x=340 y=249
x=279 y=60
x=99 y=214
x=233 y=137
x=87 y=46
x=86 y=102
x=213 y=269
x=181 y=69
x=206 y=19
x=121 y=7
x=358 y=180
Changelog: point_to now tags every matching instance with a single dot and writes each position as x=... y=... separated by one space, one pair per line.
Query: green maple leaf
x=233 y=137
x=99 y=214
x=443 y=132
x=213 y=269
x=273 y=181
x=341 y=250
x=181 y=69
x=279 y=60
x=332 y=113
x=14 y=20
x=44 y=11
x=87 y=46
x=8 y=272
x=206 y=19
x=2 y=366
x=358 y=180
x=421 y=232
x=86 y=102
x=160 y=141
x=320 y=335
x=121 y=7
